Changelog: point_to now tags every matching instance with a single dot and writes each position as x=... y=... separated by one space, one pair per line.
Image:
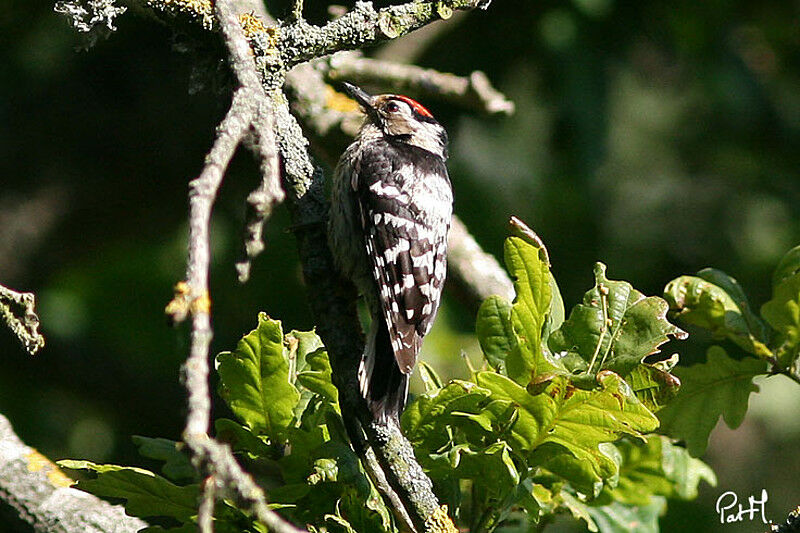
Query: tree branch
x=364 y=26
x=39 y=494
x=473 y=92
x=16 y=310
x=225 y=478
x=476 y=274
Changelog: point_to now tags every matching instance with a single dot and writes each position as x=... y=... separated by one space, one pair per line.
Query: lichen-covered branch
x=17 y=310
x=225 y=478
x=364 y=26
x=261 y=142
x=471 y=92
x=35 y=491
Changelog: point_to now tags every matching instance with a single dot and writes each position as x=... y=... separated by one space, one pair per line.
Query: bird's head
x=400 y=118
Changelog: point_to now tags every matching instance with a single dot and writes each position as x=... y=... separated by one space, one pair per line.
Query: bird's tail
x=382 y=383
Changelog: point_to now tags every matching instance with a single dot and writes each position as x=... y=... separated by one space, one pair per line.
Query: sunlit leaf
x=494 y=331
x=557 y=314
x=430 y=379
x=782 y=312
x=620 y=518
x=255 y=380
x=577 y=508
x=615 y=327
x=714 y=301
x=490 y=468
x=575 y=420
x=720 y=386
x=425 y=419
x=654 y=384
x=658 y=467
x=531 y=275
x=788 y=266
x=299 y=344
x=586 y=469
x=317 y=378
x=146 y=494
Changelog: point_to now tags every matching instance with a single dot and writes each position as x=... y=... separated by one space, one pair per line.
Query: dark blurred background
x=657 y=137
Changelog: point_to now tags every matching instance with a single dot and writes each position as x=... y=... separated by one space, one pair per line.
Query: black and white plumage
x=391 y=209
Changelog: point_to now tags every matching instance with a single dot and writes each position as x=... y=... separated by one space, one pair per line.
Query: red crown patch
x=416 y=106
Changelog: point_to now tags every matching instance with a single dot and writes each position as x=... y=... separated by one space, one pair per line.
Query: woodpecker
x=390 y=214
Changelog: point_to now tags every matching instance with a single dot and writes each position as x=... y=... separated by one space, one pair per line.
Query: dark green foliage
x=714 y=301
x=536 y=433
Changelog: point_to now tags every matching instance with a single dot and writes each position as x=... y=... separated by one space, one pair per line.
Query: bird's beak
x=359 y=95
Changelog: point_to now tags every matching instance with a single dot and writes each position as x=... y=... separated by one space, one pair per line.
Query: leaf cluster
x=751 y=345
x=561 y=418
x=288 y=433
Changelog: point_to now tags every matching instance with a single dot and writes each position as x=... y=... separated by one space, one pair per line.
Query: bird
x=391 y=207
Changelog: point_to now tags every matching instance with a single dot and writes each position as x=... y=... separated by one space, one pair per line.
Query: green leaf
x=255 y=380
x=531 y=274
x=491 y=469
x=177 y=465
x=585 y=470
x=653 y=384
x=620 y=518
x=720 y=386
x=577 y=420
x=241 y=438
x=146 y=494
x=782 y=312
x=494 y=331
x=684 y=471
x=578 y=509
x=615 y=327
x=557 y=314
x=658 y=467
x=430 y=379
x=714 y=301
x=335 y=461
x=425 y=420
x=317 y=378
x=299 y=344
x=788 y=266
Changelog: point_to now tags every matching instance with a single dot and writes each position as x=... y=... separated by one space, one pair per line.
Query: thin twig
x=17 y=310
x=205 y=512
x=211 y=457
x=472 y=92
x=194 y=298
x=261 y=201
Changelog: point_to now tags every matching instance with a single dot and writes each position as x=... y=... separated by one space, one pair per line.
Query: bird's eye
x=392 y=107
